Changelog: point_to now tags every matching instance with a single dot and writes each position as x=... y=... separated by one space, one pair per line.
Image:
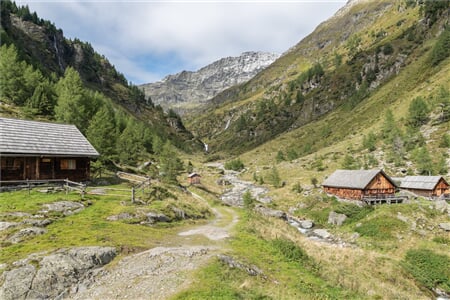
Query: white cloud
x=193 y=33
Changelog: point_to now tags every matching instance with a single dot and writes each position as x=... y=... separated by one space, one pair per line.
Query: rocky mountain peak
x=188 y=89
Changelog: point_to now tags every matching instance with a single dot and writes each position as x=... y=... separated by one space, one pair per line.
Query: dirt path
x=163 y=271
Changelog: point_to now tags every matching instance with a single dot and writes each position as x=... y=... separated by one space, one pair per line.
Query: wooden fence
x=72 y=186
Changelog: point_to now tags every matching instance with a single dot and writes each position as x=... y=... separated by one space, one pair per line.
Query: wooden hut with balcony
x=426 y=186
x=31 y=150
x=359 y=184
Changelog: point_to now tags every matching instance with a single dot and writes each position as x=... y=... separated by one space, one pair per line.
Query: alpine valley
x=368 y=89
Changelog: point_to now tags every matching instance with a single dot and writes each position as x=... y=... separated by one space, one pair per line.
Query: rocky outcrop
x=26 y=233
x=53 y=276
x=445 y=226
x=336 y=219
x=65 y=207
x=234 y=264
x=268 y=212
x=200 y=86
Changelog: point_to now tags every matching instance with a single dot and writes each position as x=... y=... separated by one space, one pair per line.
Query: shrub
x=314 y=181
x=388 y=49
x=430 y=269
x=248 y=200
x=235 y=165
x=297 y=188
x=352 y=211
x=380 y=228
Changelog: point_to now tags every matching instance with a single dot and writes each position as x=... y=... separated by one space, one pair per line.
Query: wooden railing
x=67 y=186
x=384 y=199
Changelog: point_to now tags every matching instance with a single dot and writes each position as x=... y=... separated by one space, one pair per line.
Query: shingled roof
x=353 y=179
x=22 y=137
x=420 y=182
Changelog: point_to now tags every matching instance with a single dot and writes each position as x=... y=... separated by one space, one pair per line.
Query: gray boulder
x=268 y=212
x=37 y=222
x=153 y=217
x=7 y=225
x=65 y=207
x=234 y=264
x=17 y=282
x=445 y=226
x=336 y=219
x=57 y=274
x=321 y=234
x=442 y=206
x=25 y=233
x=121 y=216
x=306 y=224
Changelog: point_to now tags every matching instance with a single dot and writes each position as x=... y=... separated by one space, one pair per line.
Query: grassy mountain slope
x=343 y=62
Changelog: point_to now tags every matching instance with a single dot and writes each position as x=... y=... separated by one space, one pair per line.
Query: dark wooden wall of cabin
x=41 y=168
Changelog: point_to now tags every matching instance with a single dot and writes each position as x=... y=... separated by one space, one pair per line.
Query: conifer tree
x=171 y=165
x=11 y=76
x=418 y=112
x=102 y=132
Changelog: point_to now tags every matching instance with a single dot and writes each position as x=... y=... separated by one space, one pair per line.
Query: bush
x=297 y=188
x=430 y=269
x=352 y=211
x=248 y=200
x=380 y=228
x=235 y=165
x=388 y=49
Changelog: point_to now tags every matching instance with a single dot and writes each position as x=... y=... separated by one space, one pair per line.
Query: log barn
x=426 y=186
x=357 y=184
x=40 y=151
x=194 y=178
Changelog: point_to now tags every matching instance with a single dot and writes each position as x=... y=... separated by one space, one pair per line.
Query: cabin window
x=68 y=164
x=11 y=164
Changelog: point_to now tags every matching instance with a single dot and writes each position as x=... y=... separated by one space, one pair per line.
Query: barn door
x=30 y=168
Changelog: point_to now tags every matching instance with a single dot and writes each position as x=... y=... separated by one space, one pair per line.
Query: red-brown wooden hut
x=357 y=184
x=194 y=178
x=426 y=186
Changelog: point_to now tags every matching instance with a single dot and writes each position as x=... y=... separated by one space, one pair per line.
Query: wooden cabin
x=194 y=178
x=357 y=184
x=40 y=151
x=426 y=186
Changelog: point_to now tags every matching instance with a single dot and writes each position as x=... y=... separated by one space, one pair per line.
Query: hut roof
x=194 y=175
x=353 y=179
x=22 y=137
x=420 y=182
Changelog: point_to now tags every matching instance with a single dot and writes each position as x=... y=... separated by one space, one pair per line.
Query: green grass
x=380 y=228
x=89 y=227
x=430 y=269
x=289 y=273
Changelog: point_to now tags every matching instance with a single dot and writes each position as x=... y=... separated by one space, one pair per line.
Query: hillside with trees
x=46 y=76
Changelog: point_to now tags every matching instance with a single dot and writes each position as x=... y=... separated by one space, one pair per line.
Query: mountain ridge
x=187 y=90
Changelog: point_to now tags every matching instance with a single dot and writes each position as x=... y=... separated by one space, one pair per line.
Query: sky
x=147 y=40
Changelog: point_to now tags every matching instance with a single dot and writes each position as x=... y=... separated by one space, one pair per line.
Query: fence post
x=132 y=194
x=28 y=186
x=67 y=186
